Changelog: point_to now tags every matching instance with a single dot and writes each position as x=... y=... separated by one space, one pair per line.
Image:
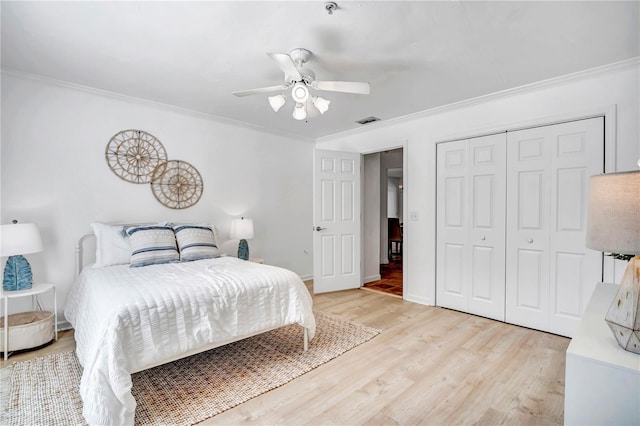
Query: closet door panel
x=530 y=289
x=550 y=273
x=452 y=285
x=527 y=265
x=577 y=153
x=470 y=206
x=487 y=229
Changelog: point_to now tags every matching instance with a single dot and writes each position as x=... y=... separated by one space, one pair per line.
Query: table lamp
x=613 y=226
x=18 y=239
x=242 y=229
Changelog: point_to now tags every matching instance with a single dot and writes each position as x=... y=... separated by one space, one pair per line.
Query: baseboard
x=306 y=277
x=372 y=278
x=418 y=299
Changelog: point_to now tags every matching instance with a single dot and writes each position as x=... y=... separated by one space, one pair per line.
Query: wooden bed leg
x=306 y=339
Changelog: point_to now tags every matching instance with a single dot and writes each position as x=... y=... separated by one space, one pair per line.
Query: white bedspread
x=128 y=319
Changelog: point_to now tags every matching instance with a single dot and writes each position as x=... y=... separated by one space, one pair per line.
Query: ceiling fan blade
x=286 y=64
x=358 y=87
x=261 y=90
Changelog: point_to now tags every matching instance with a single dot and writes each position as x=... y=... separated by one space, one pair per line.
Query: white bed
x=131 y=319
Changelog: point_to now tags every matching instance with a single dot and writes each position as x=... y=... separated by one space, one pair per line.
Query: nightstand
x=601 y=379
x=34 y=291
x=256 y=260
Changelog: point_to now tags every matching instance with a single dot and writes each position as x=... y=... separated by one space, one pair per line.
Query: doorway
x=382 y=224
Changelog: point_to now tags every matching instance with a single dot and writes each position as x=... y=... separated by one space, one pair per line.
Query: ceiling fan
x=300 y=80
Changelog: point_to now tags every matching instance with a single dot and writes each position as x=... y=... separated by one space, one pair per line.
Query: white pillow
x=152 y=245
x=196 y=242
x=113 y=246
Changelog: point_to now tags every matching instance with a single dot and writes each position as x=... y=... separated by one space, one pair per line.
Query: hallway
x=391 y=278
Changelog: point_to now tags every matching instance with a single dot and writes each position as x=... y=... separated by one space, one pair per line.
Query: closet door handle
x=483 y=238
x=530 y=240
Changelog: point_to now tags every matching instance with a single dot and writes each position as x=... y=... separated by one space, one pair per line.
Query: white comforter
x=128 y=319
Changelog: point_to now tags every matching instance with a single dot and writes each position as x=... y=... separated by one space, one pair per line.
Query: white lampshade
x=613 y=221
x=277 y=102
x=299 y=112
x=241 y=229
x=20 y=238
x=321 y=103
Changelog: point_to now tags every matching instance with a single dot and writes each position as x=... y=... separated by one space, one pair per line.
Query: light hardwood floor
x=427 y=366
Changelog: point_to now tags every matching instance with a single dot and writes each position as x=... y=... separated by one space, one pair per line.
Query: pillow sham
x=112 y=245
x=151 y=245
x=196 y=242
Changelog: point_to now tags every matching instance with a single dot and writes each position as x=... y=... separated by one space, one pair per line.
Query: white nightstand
x=602 y=380
x=256 y=260
x=34 y=291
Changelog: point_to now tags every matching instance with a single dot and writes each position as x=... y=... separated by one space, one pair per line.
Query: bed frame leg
x=306 y=340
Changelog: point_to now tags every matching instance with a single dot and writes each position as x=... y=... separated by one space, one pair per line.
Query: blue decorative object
x=17 y=274
x=243 y=250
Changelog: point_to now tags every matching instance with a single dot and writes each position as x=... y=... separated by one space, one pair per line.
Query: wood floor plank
x=429 y=365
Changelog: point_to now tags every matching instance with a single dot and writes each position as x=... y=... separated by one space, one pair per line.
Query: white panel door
x=470 y=225
x=577 y=153
x=527 y=266
x=336 y=215
x=550 y=273
x=487 y=195
x=452 y=247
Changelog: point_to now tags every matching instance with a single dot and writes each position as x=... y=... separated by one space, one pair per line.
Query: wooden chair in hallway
x=394 y=231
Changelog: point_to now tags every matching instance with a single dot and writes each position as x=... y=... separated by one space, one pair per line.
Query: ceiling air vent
x=368 y=120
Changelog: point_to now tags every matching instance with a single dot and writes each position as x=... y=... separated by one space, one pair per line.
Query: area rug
x=45 y=390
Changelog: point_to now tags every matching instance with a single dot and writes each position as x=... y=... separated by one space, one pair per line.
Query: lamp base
x=243 y=250
x=623 y=317
x=17 y=274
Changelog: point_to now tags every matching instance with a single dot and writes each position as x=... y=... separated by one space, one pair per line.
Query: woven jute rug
x=44 y=391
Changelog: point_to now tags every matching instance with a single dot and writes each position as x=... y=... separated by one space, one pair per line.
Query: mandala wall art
x=133 y=154
x=176 y=184
x=138 y=157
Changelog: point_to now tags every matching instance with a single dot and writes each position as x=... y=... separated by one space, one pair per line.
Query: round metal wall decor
x=176 y=184
x=133 y=155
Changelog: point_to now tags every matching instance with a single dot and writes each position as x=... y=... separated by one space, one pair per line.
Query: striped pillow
x=152 y=244
x=196 y=242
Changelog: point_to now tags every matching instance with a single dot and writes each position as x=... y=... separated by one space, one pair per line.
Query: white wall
x=394 y=198
x=613 y=91
x=371 y=217
x=54 y=173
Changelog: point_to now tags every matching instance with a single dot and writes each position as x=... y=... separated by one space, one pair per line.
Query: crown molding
x=127 y=98
x=555 y=81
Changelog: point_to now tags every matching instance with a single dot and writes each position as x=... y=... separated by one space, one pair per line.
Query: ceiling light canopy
x=299 y=93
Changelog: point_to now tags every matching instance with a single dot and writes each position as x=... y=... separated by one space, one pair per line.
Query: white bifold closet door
x=511 y=222
x=471 y=225
x=550 y=274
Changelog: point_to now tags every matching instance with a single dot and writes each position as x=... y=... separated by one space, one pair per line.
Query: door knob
x=482 y=238
x=317 y=228
x=530 y=240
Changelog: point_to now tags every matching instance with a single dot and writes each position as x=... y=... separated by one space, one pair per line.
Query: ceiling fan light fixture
x=321 y=103
x=277 y=102
x=299 y=112
x=300 y=93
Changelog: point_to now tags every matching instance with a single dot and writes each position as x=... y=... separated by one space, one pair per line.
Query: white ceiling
x=416 y=55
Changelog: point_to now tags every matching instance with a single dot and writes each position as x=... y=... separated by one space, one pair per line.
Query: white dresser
x=602 y=380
